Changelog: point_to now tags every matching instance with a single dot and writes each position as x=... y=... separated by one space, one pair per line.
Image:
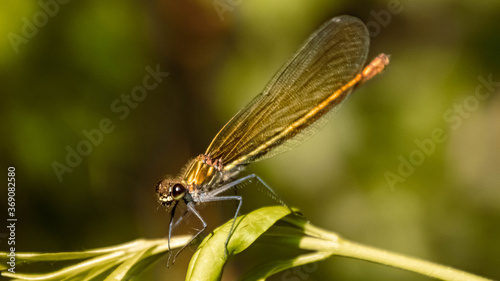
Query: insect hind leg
x=270 y=191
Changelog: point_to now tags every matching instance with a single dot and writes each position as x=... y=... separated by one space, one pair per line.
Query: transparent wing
x=287 y=112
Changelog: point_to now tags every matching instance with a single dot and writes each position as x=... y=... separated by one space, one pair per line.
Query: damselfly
x=296 y=103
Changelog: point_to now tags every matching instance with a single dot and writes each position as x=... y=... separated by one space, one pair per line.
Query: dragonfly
x=295 y=104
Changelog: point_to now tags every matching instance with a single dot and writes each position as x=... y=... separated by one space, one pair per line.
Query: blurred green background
x=61 y=73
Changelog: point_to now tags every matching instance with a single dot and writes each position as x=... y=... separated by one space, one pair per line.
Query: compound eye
x=178 y=191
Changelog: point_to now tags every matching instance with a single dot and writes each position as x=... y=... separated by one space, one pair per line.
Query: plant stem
x=342 y=247
x=355 y=250
x=321 y=240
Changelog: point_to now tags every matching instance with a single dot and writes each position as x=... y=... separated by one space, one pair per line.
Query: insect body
x=296 y=103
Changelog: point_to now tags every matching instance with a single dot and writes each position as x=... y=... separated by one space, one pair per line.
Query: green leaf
x=209 y=260
x=119 y=262
x=262 y=271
